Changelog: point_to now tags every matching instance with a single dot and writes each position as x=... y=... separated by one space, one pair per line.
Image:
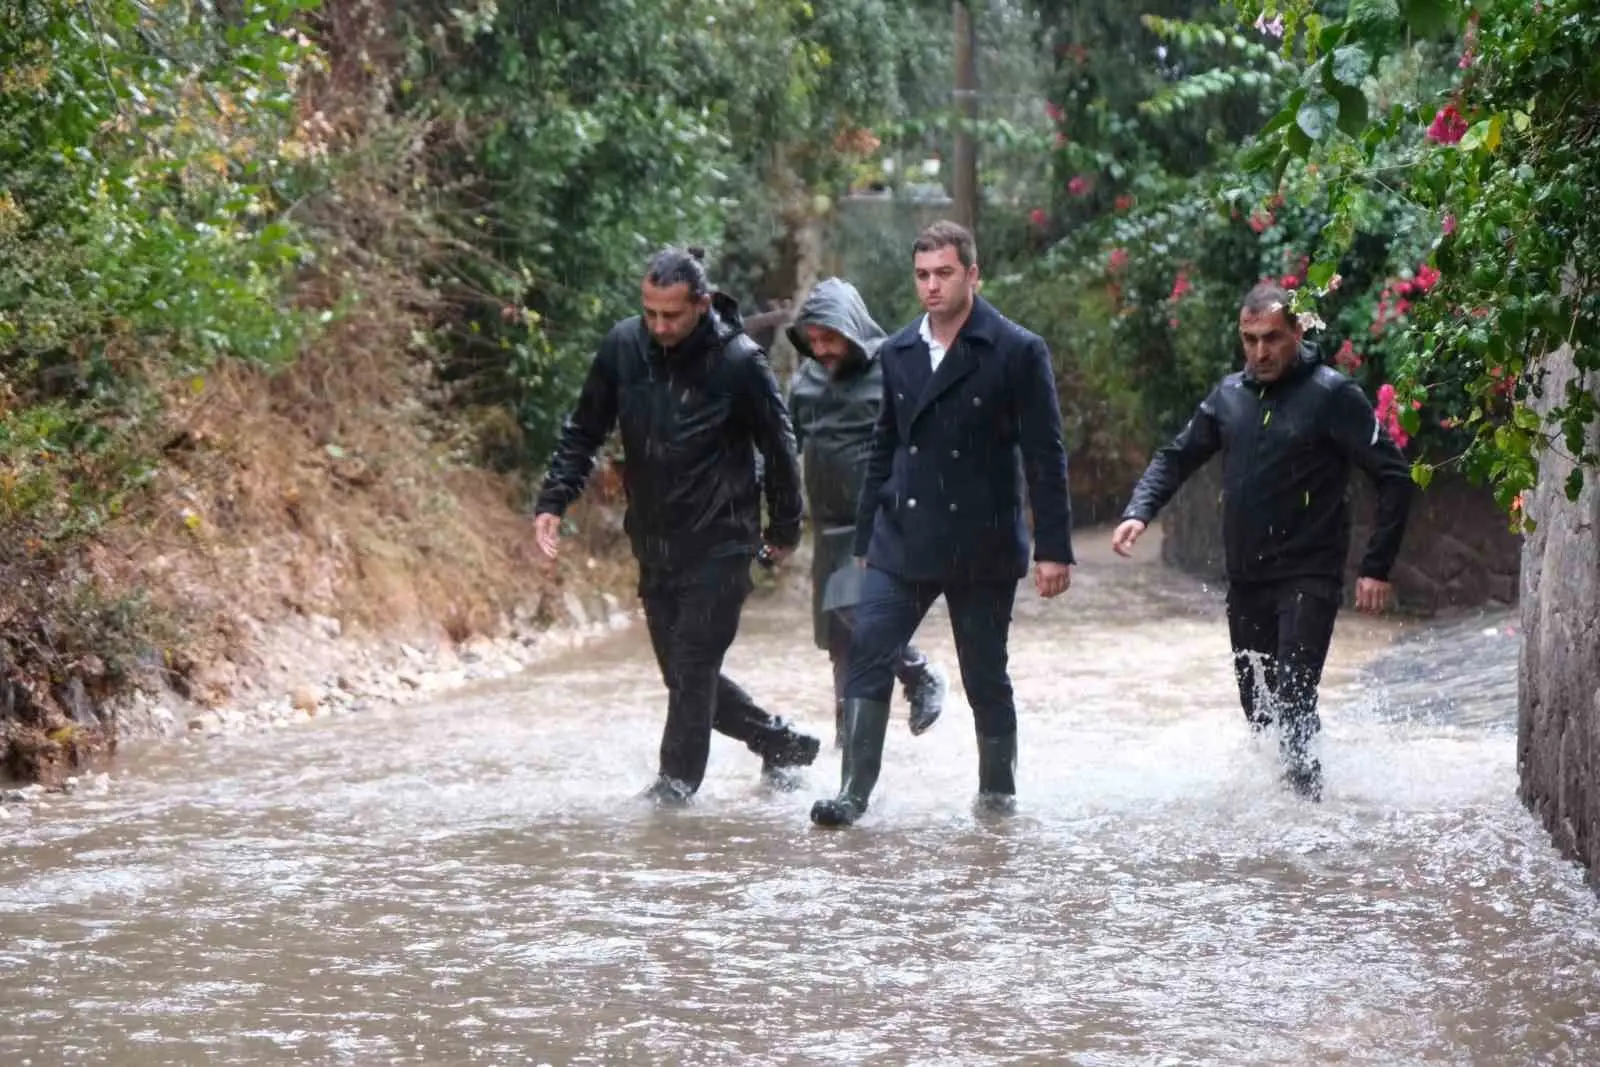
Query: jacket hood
x=725 y=313
x=835 y=304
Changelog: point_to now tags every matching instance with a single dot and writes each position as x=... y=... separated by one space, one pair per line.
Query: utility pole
x=964 y=179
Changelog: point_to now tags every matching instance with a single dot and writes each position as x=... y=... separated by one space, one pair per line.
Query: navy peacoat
x=943 y=496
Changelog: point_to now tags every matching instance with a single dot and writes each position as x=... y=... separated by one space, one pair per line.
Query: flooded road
x=474 y=882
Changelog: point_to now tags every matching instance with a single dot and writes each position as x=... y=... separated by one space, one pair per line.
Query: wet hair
x=947 y=234
x=1260 y=300
x=680 y=266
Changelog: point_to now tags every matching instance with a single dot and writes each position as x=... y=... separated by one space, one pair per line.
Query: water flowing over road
x=474 y=882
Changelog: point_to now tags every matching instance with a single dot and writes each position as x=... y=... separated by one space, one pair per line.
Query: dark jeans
x=1284 y=629
x=908 y=665
x=980 y=619
x=693 y=616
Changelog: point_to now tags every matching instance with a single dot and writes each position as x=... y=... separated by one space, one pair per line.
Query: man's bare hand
x=547 y=531
x=778 y=555
x=1051 y=579
x=1372 y=595
x=1126 y=536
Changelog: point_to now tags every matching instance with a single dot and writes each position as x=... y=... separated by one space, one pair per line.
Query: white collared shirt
x=935 y=349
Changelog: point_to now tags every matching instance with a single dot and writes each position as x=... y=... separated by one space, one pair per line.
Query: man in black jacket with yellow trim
x=696 y=403
x=969 y=414
x=1289 y=430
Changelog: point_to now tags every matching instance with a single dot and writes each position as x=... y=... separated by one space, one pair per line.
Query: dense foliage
x=1500 y=159
x=148 y=156
x=1418 y=172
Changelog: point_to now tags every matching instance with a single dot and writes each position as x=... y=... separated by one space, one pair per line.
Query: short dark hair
x=947 y=234
x=1265 y=297
x=680 y=266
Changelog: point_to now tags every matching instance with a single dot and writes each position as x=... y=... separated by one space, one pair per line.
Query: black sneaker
x=667 y=792
x=794 y=750
x=995 y=804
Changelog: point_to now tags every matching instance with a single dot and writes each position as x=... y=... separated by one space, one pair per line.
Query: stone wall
x=1558 y=721
x=1458 y=550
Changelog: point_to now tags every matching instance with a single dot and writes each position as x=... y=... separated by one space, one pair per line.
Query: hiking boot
x=924 y=688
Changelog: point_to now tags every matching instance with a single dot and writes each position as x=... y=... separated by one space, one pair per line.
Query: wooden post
x=964 y=177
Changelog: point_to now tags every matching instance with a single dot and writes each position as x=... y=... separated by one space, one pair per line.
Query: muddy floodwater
x=474 y=882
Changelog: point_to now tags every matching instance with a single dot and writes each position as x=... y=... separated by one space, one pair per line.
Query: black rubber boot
x=924 y=687
x=997 y=774
x=780 y=759
x=838 y=724
x=865 y=722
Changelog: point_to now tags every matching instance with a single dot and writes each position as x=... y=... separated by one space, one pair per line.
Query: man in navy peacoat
x=970 y=416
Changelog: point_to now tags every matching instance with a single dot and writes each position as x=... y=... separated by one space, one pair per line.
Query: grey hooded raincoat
x=834 y=414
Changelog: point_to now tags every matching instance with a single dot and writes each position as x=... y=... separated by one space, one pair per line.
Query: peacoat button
x=912 y=502
x=955 y=453
x=899 y=396
x=913 y=450
x=977 y=401
x=952 y=507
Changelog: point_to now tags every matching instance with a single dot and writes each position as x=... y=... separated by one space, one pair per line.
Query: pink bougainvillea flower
x=1260 y=220
x=1347 y=358
x=1448 y=225
x=1271 y=29
x=1471 y=49
x=1124 y=202
x=1080 y=185
x=1180 y=286
x=1119 y=258
x=1038 y=217
x=1290 y=281
x=1053 y=109
x=1448 y=126
x=1427 y=277
x=1389 y=415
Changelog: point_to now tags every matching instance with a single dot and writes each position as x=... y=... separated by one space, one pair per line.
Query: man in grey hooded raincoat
x=834 y=400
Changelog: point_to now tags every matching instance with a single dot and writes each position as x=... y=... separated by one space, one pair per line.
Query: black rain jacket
x=694 y=421
x=1287 y=449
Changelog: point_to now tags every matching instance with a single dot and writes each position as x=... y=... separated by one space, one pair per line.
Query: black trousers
x=980 y=619
x=908 y=665
x=693 y=616
x=1280 y=633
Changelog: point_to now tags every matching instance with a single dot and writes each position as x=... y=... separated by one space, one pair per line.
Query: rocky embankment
x=311 y=669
